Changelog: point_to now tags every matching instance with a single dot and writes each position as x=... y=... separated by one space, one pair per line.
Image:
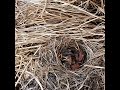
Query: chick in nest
x=72 y=58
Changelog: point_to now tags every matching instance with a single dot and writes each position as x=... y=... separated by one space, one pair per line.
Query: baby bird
x=75 y=66
x=72 y=58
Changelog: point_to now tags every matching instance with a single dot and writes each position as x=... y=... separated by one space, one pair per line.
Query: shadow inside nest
x=72 y=56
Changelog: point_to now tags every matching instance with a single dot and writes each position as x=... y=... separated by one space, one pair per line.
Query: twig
x=83 y=83
x=79 y=8
x=26 y=68
x=94 y=66
x=35 y=79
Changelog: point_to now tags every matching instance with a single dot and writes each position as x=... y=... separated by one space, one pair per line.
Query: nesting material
x=59 y=45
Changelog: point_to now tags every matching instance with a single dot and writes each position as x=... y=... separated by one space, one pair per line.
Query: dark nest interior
x=72 y=55
x=59 y=45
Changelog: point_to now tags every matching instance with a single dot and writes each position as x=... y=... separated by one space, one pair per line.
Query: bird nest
x=59 y=45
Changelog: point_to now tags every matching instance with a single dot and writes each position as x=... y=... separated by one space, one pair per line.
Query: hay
x=42 y=28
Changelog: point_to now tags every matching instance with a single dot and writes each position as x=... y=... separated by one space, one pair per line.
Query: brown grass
x=43 y=27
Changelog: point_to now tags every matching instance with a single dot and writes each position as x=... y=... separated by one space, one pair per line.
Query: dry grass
x=41 y=28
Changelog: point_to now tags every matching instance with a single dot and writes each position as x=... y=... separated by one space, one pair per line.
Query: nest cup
x=73 y=55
